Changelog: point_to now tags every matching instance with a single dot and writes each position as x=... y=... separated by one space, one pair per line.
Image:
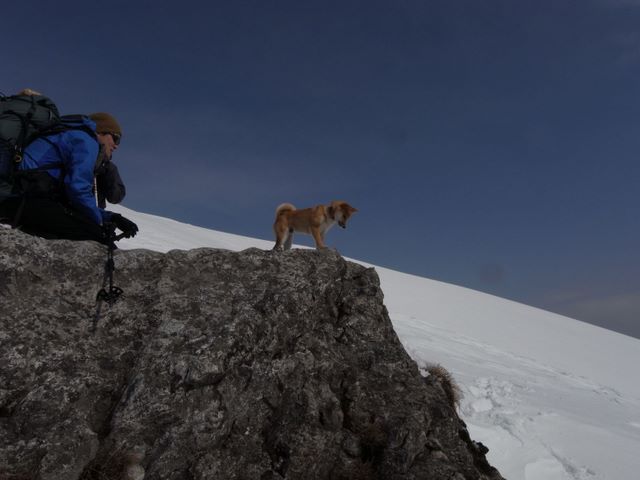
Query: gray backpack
x=22 y=119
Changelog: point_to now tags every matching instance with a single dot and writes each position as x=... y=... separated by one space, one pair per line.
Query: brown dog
x=314 y=221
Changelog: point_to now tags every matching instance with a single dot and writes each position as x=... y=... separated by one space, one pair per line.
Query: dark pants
x=48 y=218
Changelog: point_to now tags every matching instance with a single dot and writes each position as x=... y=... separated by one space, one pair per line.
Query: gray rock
x=212 y=365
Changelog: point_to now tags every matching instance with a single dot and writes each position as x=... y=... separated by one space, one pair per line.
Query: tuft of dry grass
x=451 y=388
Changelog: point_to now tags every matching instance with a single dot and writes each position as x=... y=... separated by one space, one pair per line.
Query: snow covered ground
x=553 y=398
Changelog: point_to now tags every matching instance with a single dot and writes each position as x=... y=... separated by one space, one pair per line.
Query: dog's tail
x=284 y=207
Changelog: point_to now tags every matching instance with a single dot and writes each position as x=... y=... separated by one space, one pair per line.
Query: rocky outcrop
x=212 y=365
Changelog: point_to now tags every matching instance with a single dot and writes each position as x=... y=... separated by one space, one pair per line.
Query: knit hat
x=105 y=123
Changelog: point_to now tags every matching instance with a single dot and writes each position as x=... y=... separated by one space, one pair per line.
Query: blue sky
x=492 y=144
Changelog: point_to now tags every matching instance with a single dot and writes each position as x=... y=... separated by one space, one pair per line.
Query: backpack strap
x=24 y=118
x=67 y=122
x=32 y=175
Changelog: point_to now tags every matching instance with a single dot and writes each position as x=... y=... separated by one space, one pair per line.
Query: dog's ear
x=331 y=211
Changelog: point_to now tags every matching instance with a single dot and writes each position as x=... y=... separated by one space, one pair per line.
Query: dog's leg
x=317 y=236
x=281 y=236
x=278 y=245
x=289 y=241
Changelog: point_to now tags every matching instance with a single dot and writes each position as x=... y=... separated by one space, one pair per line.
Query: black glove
x=109 y=184
x=128 y=228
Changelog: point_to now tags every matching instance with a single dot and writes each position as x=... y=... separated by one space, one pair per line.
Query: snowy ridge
x=553 y=398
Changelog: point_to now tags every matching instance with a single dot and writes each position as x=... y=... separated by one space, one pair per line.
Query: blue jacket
x=77 y=150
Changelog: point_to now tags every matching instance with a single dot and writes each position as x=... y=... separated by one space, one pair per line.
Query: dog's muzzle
x=342 y=224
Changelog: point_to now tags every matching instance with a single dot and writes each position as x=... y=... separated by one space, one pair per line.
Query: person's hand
x=128 y=228
x=109 y=184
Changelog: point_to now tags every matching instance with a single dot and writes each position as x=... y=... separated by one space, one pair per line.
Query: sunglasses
x=116 y=137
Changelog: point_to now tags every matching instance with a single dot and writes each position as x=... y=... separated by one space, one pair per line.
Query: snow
x=551 y=397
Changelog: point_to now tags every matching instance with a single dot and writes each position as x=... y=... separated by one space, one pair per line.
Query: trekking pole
x=113 y=293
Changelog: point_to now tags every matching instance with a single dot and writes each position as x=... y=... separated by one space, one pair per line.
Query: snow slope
x=553 y=398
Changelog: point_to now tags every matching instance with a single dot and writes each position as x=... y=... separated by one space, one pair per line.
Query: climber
x=58 y=176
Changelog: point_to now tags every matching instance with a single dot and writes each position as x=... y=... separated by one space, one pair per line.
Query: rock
x=213 y=364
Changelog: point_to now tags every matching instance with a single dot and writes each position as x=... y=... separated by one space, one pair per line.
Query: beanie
x=105 y=123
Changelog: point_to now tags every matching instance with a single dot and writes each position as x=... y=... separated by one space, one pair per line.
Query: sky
x=492 y=145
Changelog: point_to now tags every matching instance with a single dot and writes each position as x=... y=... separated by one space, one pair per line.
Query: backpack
x=23 y=118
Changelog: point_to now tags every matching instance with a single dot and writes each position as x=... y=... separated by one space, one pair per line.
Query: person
x=58 y=176
x=108 y=184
